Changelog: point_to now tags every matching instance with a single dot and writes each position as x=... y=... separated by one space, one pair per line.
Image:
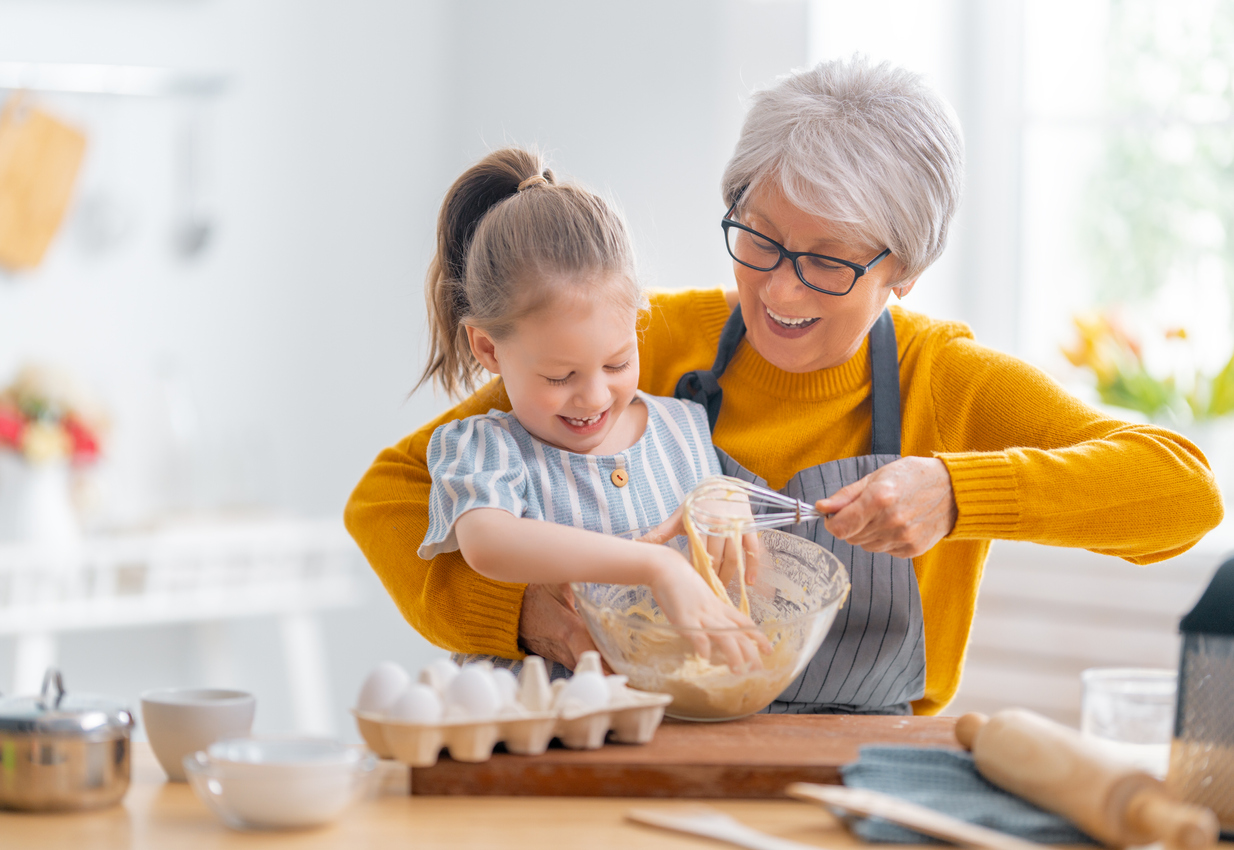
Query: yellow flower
x=1095 y=348
x=42 y=442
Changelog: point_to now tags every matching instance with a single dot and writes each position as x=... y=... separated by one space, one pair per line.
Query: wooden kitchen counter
x=160 y=815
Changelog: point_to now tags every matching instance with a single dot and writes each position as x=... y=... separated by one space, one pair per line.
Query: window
x=1100 y=139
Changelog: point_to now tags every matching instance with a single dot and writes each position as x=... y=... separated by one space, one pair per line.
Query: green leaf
x=1221 y=400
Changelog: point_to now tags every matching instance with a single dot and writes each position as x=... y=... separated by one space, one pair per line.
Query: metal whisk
x=721 y=505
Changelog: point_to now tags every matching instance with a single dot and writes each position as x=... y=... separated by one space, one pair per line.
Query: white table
x=201 y=572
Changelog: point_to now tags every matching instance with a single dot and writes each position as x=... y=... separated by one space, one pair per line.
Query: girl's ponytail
x=480 y=188
x=508 y=239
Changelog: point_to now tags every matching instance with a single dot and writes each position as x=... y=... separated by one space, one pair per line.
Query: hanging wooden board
x=755 y=757
x=39 y=159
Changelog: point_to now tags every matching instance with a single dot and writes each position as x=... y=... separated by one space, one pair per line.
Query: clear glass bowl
x=799 y=589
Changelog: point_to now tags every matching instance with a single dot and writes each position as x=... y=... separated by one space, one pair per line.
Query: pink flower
x=11 y=425
x=85 y=446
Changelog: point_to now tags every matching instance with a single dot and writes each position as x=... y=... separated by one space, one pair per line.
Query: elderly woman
x=922 y=444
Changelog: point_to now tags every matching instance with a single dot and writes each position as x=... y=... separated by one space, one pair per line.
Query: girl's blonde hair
x=509 y=238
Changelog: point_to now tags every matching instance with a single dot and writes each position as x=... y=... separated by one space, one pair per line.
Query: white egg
x=585 y=692
x=417 y=704
x=439 y=675
x=382 y=687
x=507 y=685
x=473 y=693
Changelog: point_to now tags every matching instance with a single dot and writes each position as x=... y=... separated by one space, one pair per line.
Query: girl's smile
x=571 y=371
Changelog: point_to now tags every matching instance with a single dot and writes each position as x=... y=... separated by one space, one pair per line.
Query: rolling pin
x=1057 y=769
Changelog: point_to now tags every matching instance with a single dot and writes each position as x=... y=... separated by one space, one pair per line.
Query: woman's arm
x=446 y=601
x=1026 y=460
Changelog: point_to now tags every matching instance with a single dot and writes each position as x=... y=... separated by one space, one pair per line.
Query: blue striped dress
x=490 y=461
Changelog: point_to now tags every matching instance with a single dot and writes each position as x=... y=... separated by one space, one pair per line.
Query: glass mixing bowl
x=799 y=588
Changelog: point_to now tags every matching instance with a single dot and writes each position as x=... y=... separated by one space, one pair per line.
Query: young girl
x=534 y=281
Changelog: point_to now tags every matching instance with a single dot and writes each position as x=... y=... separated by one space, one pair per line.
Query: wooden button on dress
x=619 y=478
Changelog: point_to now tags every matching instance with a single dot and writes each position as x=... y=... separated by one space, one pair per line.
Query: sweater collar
x=754 y=372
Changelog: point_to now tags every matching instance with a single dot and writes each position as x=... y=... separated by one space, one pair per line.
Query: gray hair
x=871 y=149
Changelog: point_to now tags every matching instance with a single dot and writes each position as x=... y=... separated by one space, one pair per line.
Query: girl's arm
x=387 y=514
x=508 y=548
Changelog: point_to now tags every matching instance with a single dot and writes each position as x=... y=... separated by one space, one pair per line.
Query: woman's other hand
x=550 y=627
x=903 y=508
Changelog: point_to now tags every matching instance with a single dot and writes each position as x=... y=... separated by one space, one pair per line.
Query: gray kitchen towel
x=947 y=781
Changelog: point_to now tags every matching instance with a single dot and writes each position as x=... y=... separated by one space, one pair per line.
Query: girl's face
x=571 y=371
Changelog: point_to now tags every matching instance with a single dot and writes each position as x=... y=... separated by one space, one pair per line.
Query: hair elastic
x=535 y=180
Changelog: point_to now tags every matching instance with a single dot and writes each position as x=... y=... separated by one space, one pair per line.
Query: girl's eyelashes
x=558 y=382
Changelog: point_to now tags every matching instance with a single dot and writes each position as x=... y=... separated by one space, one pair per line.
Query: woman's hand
x=903 y=508
x=550 y=627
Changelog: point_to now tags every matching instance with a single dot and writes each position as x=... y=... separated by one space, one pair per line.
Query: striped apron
x=873 y=658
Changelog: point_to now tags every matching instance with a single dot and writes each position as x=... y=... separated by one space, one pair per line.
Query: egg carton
x=526 y=724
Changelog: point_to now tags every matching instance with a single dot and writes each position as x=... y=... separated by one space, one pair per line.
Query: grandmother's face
x=774 y=303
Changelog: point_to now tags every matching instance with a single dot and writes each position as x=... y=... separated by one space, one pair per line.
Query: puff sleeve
x=475 y=463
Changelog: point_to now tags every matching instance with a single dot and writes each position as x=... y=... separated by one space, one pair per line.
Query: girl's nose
x=593 y=394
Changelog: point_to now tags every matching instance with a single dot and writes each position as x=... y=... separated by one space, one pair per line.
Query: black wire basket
x=1202 y=754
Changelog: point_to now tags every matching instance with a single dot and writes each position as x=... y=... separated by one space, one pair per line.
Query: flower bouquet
x=1155 y=373
x=44 y=418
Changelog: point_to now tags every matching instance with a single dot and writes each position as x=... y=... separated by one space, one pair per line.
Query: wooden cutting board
x=755 y=757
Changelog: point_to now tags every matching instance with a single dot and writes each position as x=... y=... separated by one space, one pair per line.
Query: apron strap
x=885 y=380
x=703 y=385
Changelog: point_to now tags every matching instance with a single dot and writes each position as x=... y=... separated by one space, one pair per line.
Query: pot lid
x=54 y=712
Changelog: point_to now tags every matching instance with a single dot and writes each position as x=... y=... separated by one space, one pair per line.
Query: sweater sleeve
x=446 y=601
x=1029 y=461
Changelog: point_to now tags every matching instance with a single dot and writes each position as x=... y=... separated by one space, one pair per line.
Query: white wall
x=299 y=332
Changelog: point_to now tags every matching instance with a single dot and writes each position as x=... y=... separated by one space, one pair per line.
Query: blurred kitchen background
x=235 y=284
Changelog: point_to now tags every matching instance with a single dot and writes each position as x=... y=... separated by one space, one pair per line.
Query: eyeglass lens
x=762 y=254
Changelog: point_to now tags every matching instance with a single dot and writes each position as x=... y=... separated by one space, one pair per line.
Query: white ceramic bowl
x=278 y=783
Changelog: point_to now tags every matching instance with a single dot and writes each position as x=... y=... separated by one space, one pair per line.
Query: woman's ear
x=484 y=349
x=903 y=288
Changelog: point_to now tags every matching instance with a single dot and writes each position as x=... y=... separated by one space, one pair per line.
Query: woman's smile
x=787 y=326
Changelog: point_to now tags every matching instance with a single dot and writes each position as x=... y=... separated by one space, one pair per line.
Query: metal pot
x=62 y=751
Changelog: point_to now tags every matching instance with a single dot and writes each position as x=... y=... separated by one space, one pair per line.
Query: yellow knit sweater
x=1027 y=462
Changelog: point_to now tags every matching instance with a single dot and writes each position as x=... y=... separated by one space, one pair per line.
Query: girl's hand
x=687 y=601
x=721 y=549
x=903 y=508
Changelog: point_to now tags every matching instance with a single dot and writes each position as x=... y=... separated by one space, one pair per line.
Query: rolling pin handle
x=967 y=727
x=1179 y=825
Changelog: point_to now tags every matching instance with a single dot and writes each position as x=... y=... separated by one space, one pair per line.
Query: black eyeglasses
x=829 y=275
